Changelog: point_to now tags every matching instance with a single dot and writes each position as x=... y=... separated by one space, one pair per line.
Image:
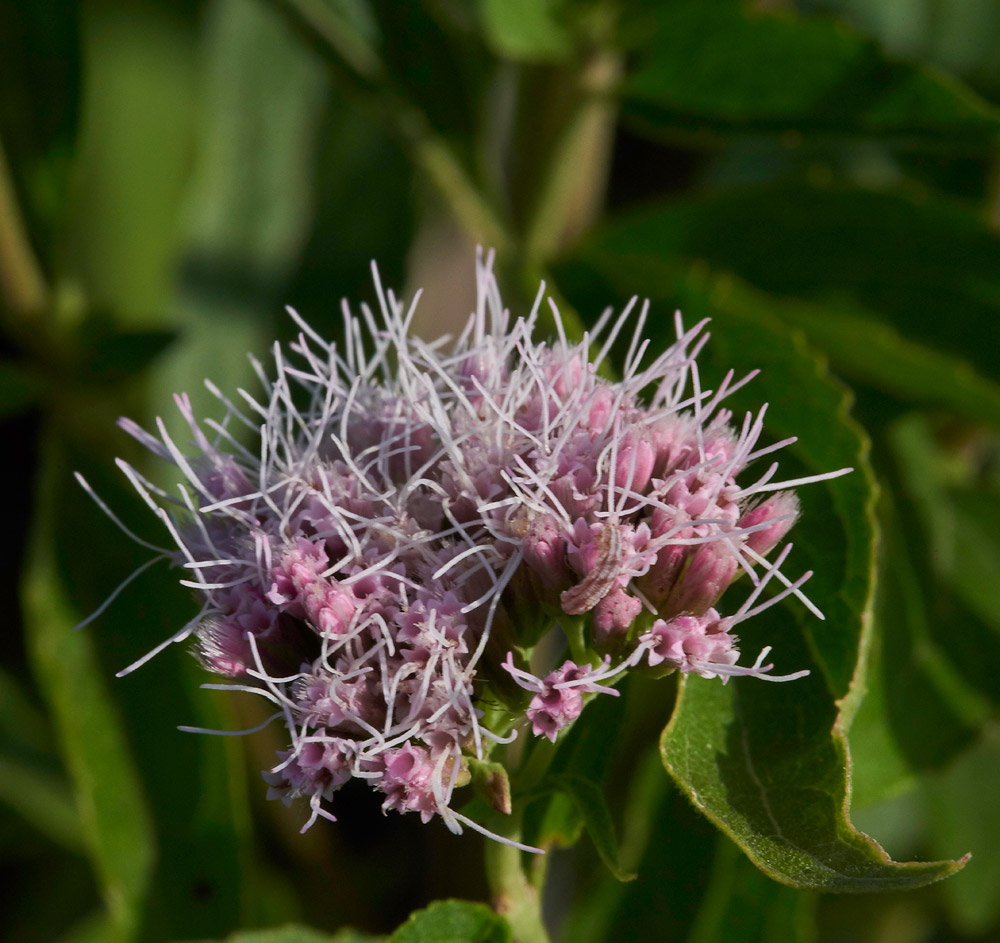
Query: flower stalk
x=513 y=895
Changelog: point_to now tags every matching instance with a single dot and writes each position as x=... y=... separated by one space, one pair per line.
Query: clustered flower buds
x=414 y=517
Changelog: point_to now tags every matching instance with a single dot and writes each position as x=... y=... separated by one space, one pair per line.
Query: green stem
x=514 y=896
x=22 y=283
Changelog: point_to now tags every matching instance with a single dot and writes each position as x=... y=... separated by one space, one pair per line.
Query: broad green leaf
x=593 y=810
x=133 y=159
x=453 y=921
x=866 y=349
x=113 y=814
x=768 y=763
x=722 y=66
x=766 y=770
x=903 y=261
x=529 y=30
x=962 y=808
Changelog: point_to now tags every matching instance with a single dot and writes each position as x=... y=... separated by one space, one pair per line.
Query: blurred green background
x=823 y=178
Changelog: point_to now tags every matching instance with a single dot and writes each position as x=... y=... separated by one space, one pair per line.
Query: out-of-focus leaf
x=879 y=768
x=932 y=711
x=936 y=506
x=95 y=928
x=453 y=921
x=19 y=389
x=195 y=785
x=250 y=202
x=593 y=809
x=927 y=268
x=528 y=30
x=43 y=799
x=740 y=903
x=963 y=810
x=976 y=551
x=39 y=75
x=720 y=66
x=116 y=827
x=106 y=355
x=347 y=26
x=133 y=158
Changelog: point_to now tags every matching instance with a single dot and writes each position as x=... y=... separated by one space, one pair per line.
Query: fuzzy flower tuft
x=411 y=518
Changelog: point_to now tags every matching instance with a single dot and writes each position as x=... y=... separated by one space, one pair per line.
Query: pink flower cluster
x=414 y=517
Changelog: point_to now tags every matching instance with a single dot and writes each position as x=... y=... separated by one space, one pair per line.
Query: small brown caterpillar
x=601 y=579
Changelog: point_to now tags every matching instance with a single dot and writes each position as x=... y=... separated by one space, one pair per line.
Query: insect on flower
x=412 y=516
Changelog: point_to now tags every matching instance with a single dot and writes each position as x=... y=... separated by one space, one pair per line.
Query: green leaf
x=898 y=260
x=768 y=763
x=527 y=30
x=723 y=67
x=963 y=810
x=766 y=770
x=113 y=814
x=942 y=546
x=593 y=809
x=453 y=921
x=975 y=552
x=866 y=349
x=133 y=159
x=931 y=710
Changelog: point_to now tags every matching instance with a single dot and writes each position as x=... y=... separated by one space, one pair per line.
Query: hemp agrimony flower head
x=414 y=517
